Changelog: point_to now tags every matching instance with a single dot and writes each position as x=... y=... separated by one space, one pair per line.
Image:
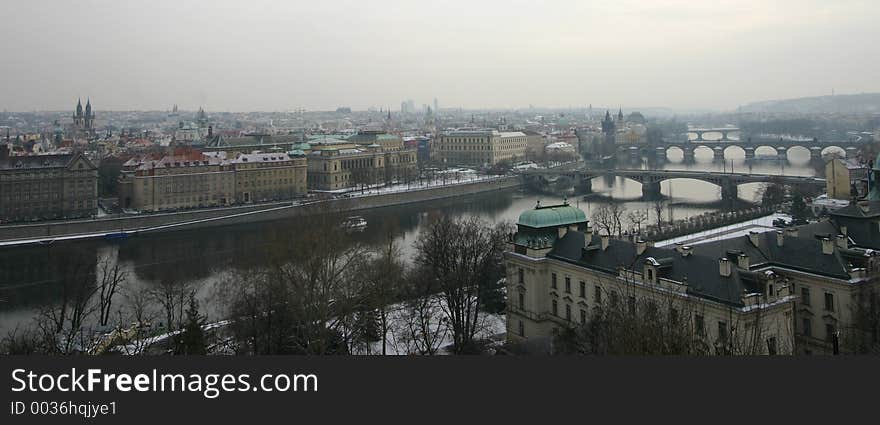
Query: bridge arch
x=826 y=150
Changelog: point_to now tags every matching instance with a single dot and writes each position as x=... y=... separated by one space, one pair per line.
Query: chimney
x=780 y=238
x=753 y=238
x=843 y=231
x=685 y=251
x=842 y=242
x=792 y=232
x=827 y=246
x=724 y=267
x=561 y=231
x=605 y=240
x=742 y=261
x=640 y=246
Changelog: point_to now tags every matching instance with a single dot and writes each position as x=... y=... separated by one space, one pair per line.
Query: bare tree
x=609 y=218
x=460 y=257
x=383 y=278
x=659 y=206
x=110 y=277
x=636 y=218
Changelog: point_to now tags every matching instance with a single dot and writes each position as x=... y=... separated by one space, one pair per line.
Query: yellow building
x=195 y=180
x=559 y=274
x=367 y=158
x=845 y=179
x=481 y=147
x=43 y=187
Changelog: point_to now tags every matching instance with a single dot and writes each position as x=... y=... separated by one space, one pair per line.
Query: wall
x=250 y=213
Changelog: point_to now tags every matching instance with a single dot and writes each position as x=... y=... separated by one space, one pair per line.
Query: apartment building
x=191 y=179
x=44 y=187
x=559 y=272
x=481 y=147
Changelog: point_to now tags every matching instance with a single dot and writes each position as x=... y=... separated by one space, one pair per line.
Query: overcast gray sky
x=278 y=55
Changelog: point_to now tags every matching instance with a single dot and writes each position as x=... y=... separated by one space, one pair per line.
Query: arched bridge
x=724 y=131
x=749 y=146
x=650 y=179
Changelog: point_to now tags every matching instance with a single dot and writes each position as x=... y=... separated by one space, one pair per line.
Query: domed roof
x=552 y=216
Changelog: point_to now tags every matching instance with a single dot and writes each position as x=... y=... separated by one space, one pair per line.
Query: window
x=829 y=332
x=583 y=316
x=722 y=330
x=771 y=346
x=520 y=274
x=522 y=301
x=699 y=326
x=522 y=328
x=650 y=274
x=829 y=301
x=555 y=308
x=808 y=327
x=553 y=280
x=567 y=285
x=568 y=312
x=805 y=295
x=583 y=287
x=597 y=294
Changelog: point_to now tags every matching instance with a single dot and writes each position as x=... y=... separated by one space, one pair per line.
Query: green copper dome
x=552 y=216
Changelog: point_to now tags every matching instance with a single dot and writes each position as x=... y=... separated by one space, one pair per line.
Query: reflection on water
x=31 y=276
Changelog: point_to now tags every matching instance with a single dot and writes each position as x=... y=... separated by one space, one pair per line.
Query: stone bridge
x=725 y=132
x=749 y=146
x=650 y=179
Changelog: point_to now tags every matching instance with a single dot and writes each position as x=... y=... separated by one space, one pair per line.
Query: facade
x=190 y=179
x=84 y=121
x=845 y=179
x=366 y=158
x=43 y=187
x=481 y=147
x=824 y=269
x=559 y=274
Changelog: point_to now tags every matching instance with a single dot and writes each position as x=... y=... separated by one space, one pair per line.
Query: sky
x=262 y=55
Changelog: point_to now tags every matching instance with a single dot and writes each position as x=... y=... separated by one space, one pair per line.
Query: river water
x=31 y=277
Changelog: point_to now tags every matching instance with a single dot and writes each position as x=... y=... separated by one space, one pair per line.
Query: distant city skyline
x=276 y=56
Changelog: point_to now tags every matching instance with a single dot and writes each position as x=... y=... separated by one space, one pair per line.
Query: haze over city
x=489 y=54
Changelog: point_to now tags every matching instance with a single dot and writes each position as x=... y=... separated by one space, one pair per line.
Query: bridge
x=650 y=179
x=725 y=131
x=749 y=146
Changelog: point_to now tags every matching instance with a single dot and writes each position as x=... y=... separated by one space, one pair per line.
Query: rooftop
x=552 y=216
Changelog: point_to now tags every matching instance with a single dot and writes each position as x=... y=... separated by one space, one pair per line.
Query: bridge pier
x=718 y=152
x=651 y=190
x=586 y=185
x=815 y=153
x=729 y=191
x=660 y=153
x=782 y=152
x=750 y=152
x=688 y=154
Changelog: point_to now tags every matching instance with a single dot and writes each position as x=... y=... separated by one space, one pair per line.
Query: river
x=31 y=277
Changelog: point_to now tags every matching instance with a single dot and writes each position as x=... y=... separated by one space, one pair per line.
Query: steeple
x=620 y=115
x=79 y=107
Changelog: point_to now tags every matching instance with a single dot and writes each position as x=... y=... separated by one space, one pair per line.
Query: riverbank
x=123 y=227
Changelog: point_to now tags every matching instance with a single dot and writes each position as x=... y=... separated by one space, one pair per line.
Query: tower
x=78 y=114
x=89 y=117
x=620 y=117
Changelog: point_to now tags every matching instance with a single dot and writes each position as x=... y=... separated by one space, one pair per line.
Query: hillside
x=848 y=103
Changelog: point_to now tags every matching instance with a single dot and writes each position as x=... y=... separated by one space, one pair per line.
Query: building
x=44 y=187
x=825 y=269
x=559 y=274
x=84 y=121
x=845 y=179
x=481 y=147
x=367 y=158
x=191 y=179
